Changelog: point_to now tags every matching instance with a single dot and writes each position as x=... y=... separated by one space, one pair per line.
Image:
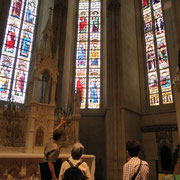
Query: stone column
x=47 y=92
x=177 y=99
x=59 y=29
x=67 y=80
x=75 y=119
x=53 y=90
x=30 y=89
x=30 y=131
x=114 y=117
x=176 y=7
x=34 y=98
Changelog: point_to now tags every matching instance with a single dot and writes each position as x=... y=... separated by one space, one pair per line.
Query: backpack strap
x=134 y=177
x=70 y=163
x=77 y=165
x=49 y=154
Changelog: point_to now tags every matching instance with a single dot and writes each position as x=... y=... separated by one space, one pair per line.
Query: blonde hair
x=77 y=151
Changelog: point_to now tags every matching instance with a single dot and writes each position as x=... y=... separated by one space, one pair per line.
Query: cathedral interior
x=111 y=67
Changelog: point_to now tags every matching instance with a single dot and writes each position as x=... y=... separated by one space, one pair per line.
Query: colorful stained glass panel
x=22 y=64
x=5 y=76
x=19 y=85
x=23 y=45
x=89 y=25
x=165 y=80
x=154 y=100
x=16 y=8
x=167 y=97
x=7 y=61
x=31 y=9
x=153 y=83
x=10 y=42
x=18 y=96
x=156 y=3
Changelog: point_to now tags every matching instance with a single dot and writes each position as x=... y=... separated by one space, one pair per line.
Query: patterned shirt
x=131 y=167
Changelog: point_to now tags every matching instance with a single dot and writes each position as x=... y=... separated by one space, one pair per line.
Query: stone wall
x=158 y=128
x=129 y=56
x=92 y=136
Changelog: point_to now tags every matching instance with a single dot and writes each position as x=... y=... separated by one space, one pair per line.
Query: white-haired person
x=74 y=166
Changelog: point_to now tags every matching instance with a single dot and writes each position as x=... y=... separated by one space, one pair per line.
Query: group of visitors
x=75 y=168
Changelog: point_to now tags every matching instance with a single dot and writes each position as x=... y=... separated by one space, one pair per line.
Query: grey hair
x=77 y=151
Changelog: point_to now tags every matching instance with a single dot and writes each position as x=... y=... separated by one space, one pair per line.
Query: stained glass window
x=88 y=53
x=16 y=50
x=159 y=82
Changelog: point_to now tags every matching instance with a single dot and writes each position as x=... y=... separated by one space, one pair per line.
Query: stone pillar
x=59 y=30
x=75 y=120
x=67 y=81
x=30 y=131
x=114 y=116
x=35 y=89
x=30 y=91
x=176 y=7
x=177 y=99
x=47 y=92
x=53 y=90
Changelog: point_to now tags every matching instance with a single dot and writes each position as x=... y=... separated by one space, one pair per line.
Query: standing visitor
x=135 y=168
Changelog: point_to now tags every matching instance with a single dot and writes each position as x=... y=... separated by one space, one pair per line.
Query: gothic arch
x=39 y=138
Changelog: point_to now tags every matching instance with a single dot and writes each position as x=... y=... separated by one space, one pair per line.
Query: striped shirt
x=131 y=167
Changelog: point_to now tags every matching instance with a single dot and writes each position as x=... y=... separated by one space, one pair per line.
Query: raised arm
x=62 y=121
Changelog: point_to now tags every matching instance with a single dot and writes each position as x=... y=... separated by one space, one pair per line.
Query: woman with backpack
x=74 y=168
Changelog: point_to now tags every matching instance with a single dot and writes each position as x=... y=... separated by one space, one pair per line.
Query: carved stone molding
x=157 y=128
x=15 y=169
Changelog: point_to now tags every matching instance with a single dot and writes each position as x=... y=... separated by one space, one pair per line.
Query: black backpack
x=74 y=173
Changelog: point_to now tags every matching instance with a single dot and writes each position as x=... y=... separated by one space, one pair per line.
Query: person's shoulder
x=127 y=164
x=66 y=164
x=84 y=163
x=145 y=162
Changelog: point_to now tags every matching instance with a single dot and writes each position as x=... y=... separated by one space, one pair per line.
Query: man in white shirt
x=135 y=168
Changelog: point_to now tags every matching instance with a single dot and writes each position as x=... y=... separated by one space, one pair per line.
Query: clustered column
x=114 y=116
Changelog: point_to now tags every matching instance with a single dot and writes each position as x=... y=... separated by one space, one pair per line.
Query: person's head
x=133 y=148
x=57 y=134
x=77 y=151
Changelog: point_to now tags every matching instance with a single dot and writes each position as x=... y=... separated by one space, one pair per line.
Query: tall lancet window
x=159 y=82
x=16 y=50
x=88 y=53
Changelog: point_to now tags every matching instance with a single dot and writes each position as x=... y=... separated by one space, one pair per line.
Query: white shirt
x=131 y=167
x=83 y=167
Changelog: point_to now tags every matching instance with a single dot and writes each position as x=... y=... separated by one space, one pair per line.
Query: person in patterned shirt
x=135 y=165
